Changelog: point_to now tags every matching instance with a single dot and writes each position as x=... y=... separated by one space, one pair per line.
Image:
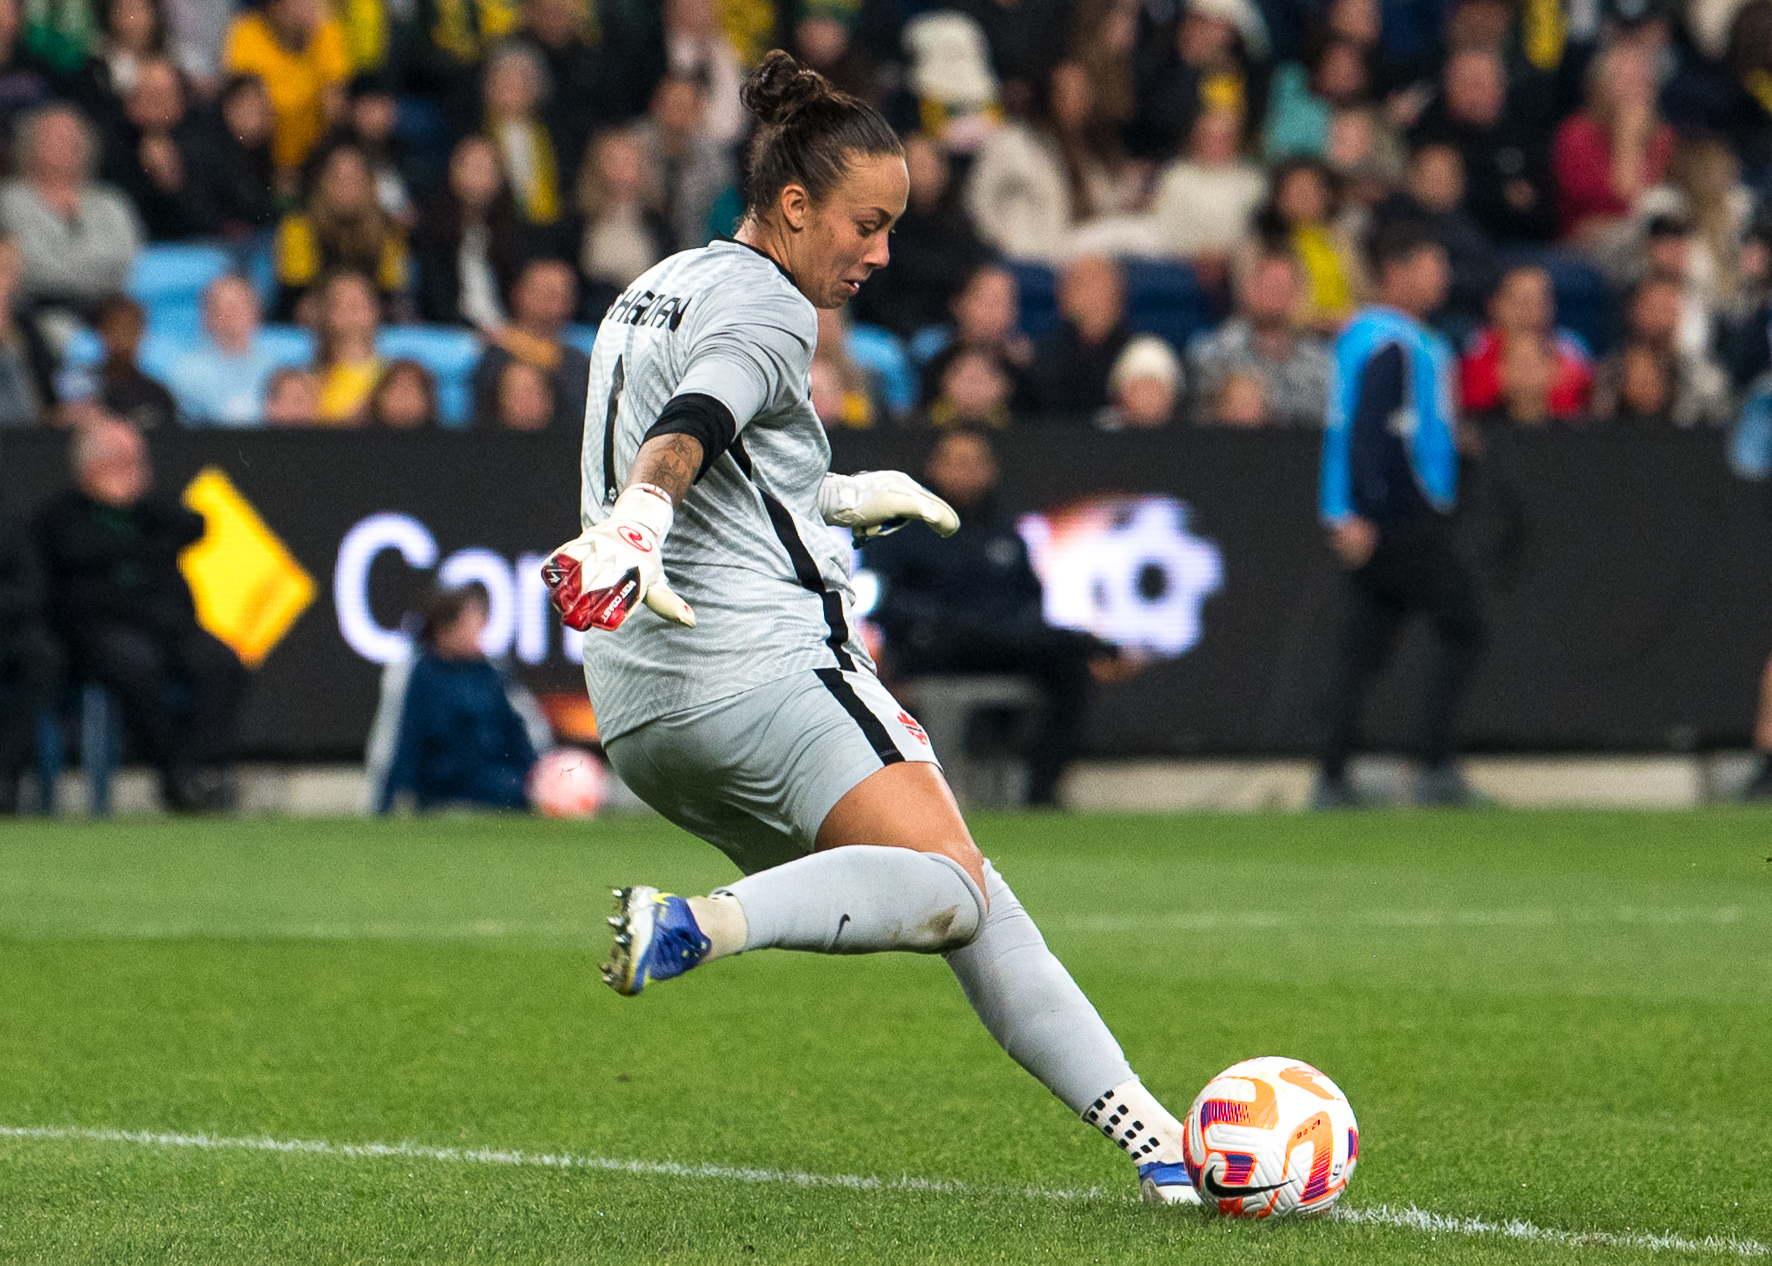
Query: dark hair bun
x=780 y=87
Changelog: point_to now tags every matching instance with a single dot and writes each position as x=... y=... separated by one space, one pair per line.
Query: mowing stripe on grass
x=1102 y=923
x=1409 y=1218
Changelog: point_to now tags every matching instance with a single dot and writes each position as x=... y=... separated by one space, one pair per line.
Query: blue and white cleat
x=1163 y=1183
x=656 y=938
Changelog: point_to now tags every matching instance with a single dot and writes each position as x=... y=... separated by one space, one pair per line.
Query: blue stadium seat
x=1584 y=298
x=450 y=354
x=581 y=337
x=161 y=350
x=928 y=343
x=84 y=351
x=879 y=352
x=1165 y=298
x=1039 y=295
x=261 y=269
x=288 y=344
x=168 y=281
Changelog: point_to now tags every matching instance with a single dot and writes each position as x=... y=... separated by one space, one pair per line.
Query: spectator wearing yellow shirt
x=349 y=367
x=1301 y=215
x=299 y=51
x=516 y=84
x=342 y=226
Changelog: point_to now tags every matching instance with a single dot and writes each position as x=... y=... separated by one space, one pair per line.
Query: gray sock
x=1032 y=1006
x=860 y=900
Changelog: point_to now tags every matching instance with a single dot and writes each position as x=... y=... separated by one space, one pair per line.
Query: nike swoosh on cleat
x=1218 y=1191
x=840 y=925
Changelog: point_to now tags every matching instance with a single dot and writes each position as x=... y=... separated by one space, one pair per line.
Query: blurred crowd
x=422 y=208
x=504 y=168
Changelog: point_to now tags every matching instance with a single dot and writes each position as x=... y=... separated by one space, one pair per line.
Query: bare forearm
x=669 y=462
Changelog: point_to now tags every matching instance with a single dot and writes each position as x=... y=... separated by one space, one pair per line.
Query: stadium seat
x=288 y=344
x=450 y=354
x=160 y=351
x=928 y=343
x=880 y=353
x=84 y=350
x=261 y=270
x=1584 y=297
x=1163 y=297
x=1039 y=295
x=168 y=281
x=581 y=337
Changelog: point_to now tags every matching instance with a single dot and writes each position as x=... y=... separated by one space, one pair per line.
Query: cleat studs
x=614 y=921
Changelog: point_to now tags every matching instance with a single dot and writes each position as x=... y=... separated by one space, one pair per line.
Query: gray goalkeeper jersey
x=749 y=552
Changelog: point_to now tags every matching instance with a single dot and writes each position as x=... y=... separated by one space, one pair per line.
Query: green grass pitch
x=1564 y=1020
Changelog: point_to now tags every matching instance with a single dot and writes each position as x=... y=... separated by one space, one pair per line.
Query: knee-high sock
x=1033 y=1008
x=860 y=900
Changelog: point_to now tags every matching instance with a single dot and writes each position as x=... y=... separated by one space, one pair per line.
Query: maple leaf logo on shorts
x=909 y=722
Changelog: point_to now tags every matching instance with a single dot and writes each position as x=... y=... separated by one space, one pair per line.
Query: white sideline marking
x=545 y=1160
x=1513 y=1228
x=1409 y=1218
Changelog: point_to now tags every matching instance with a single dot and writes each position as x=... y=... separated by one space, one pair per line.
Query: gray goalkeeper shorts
x=755 y=775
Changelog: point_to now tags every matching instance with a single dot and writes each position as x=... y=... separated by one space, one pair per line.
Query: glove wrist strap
x=647 y=507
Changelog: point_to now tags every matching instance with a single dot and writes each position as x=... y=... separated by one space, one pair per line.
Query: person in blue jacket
x=460 y=740
x=1389 y=488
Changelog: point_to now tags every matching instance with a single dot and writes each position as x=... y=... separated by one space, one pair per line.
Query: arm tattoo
x=669 y=461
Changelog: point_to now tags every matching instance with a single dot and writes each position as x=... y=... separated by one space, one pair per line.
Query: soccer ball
x=567 y=782
x=1270 y=1138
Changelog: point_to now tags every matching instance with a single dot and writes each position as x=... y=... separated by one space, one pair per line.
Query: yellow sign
x=248 y=586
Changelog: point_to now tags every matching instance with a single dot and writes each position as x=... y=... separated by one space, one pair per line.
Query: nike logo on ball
x=1218 y=1191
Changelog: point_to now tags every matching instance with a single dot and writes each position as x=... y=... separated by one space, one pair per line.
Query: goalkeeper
x=731 y=691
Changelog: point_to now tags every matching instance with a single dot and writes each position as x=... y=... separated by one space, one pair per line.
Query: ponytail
x=808 y=132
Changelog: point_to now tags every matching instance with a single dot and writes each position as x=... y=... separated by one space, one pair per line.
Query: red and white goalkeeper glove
x=876 y=502
x=597 y=579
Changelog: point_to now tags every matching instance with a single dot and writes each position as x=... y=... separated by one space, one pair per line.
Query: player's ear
x=796 y=206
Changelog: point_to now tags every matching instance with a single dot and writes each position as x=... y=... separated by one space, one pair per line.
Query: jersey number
x=620 y=380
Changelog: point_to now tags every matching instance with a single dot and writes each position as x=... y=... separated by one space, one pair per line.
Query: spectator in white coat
x=1204 y=201
x=78 y=238
x=1036 y=184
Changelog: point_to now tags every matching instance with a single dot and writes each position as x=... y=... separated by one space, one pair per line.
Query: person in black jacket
x=242 y=174
x=158 y=155
x=469 y=241
x=970 y=603
x=123 y=609
x=1072 y=363
x=935 y=249
x=30 y=661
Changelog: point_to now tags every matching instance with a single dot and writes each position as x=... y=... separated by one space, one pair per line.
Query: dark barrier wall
x=1638 y=617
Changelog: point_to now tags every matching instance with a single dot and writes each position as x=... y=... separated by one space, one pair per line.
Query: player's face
x=845 y=237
